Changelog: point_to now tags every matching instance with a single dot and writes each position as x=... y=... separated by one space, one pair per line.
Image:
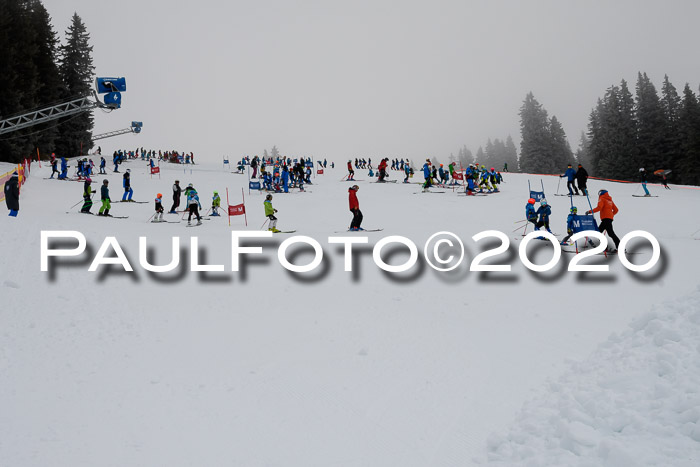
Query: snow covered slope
x=329 y=368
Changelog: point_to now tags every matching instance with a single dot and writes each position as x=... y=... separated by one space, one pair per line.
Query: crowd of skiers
x=540 y=217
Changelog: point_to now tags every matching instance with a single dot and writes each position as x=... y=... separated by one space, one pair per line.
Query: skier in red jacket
x=355 y=209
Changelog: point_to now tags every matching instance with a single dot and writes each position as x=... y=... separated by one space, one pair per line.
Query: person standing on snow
x=194 y=205
x=128 y=191
x=643 y=179
x=177 y=191
x=216 y=203
x=356 y=223
x=570 y=175
x=103 y=162
x=104 y=196
x=87 y=196
x=582 y=179
x=544 y=211
x=351 y=171
x=530 y=213
x=270 y=213
x=159 y=208
x=54 y=167
x=607 y=210
x=11 y=190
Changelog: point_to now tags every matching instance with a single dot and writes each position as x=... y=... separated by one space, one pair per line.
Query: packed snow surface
x=335 y=368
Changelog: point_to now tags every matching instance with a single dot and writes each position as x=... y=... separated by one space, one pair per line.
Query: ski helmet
x=543 y=202
x=602 y=192
x=190 y=186
x=573 y=210
x=159 y=195
x=531 y=201
x=268 y=197
x=355 y=187
x=642 y=169
x=216 y=192
x=492 y=169
x=128 y=170
x=105 y=181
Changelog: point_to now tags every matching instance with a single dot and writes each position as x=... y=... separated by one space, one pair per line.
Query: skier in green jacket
x=270 y=213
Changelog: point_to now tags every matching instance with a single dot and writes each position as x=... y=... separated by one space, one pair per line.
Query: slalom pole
x=228 y=207
x=558 y=185
x=245 y=214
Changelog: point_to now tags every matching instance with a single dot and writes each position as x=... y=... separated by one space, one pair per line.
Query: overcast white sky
x=370 y=78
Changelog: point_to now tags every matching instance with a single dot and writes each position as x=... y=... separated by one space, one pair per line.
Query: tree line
x=39 y=71
x=626 y=132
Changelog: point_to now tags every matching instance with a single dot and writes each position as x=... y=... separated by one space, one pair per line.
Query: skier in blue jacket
x=427 y=174
x=128 y=191
x=64 y=169
x=530 y=213
x=285 y=179
x=544 y=211
x=570 y=175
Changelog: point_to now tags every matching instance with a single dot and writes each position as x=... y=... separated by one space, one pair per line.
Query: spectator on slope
x=607 y=210
x=11 y=190
x=570 y=175
x=177 y=191
x=582 y=179
x=356 y=223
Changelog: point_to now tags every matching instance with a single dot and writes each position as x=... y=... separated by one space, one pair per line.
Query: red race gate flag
x=155 y=170
x=320 y=171
x=237 y=210
x=458 y=176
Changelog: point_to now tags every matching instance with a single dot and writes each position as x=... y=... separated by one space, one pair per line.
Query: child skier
x=194 y=205
x=159 y=208
x=128 y=191
x=216 y=202
x=544 y=211
x=87 y=196
x=104 y=196
x=530 y=213
x=54 y=168
x=270 y=213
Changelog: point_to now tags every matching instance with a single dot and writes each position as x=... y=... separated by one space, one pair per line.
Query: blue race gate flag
x=583 y=223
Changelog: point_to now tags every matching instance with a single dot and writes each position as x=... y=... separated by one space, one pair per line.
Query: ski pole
x=149 y=219
x=521 y=227
x=266 y=221
x=517 y=222
x=693 y=234
x=76 y=204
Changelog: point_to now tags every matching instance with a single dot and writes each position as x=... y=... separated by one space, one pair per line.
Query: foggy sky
x=369 y=78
